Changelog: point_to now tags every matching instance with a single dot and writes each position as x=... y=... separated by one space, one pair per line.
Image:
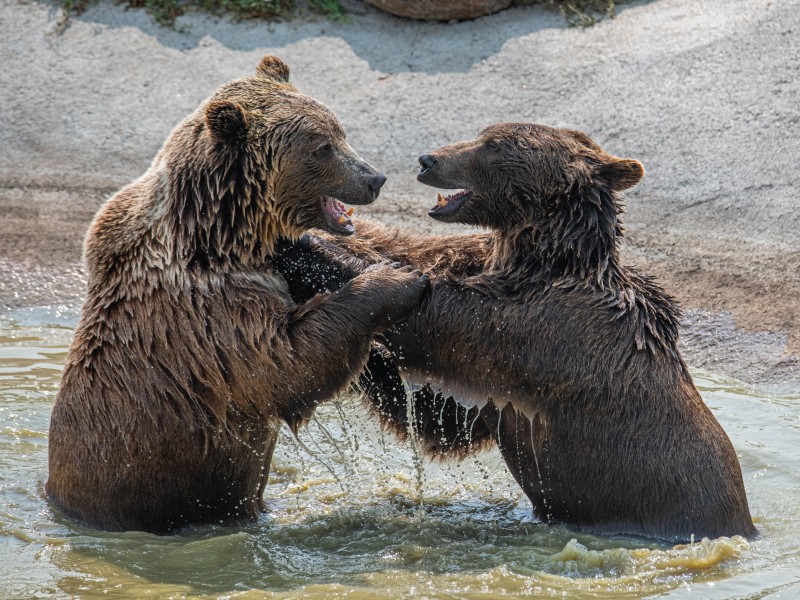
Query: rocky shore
x=704 y=93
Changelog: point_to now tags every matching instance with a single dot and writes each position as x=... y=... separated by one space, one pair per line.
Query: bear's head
x=257 y=161
x=516 y=174
x=293 y=145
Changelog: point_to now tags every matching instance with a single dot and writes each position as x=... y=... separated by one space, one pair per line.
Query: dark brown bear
x=564 y=357
x=189 y=350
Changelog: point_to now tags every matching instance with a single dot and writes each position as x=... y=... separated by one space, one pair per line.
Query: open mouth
x=337 y=216
x=448 y=205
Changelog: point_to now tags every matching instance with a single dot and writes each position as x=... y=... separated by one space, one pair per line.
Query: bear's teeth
x=441 y=200
x=342 y=219
x=351 y=211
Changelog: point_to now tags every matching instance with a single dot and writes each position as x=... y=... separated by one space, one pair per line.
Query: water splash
x=548 y=514
x=416 y=449
x=576 y=560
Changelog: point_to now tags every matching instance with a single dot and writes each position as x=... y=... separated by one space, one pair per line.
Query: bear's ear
x=274 y=68
x=620 y=173
x=226 y=121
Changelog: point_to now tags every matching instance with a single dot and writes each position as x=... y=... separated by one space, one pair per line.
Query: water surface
x=354 y=514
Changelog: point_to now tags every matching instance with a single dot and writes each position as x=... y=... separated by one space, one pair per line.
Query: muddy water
x=352 y=514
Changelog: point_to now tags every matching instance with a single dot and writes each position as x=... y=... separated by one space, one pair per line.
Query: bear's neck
x=577 y=242
x=220 y=213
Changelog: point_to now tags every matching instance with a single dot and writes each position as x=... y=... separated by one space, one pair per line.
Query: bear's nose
x=376 y=182
x=427 y=161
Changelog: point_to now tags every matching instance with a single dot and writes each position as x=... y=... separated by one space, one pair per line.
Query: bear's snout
x=426 y=161
x=376 y=182
x=426 y=164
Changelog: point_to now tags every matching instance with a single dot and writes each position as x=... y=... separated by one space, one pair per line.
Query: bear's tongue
x=337 y=216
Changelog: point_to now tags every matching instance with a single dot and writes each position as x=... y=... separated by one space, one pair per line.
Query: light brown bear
x=190 y=351
x=536 y=337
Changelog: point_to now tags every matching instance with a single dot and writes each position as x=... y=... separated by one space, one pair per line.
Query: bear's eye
x=492 y=145
x=323 y=149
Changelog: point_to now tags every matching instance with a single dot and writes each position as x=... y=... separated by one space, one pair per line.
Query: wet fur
x=571 y=357
x=190 y=350
x=444 y=428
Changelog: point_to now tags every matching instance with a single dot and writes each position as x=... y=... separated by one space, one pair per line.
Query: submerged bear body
x=598 y=432
x=535 y=337
x=190 y=352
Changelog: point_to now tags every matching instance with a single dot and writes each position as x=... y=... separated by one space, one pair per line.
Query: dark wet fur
x=190 y=350
x=444 y=428
x=589 y=400
x=312 y=265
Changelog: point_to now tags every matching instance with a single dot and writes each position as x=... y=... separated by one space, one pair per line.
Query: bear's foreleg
x=448 y=256
x=315 y=265
x=331 y=334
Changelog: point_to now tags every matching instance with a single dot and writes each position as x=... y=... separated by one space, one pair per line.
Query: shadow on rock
x=389 y=44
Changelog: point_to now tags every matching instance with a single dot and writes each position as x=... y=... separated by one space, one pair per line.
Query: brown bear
x=190 y=350
x=538 y=338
